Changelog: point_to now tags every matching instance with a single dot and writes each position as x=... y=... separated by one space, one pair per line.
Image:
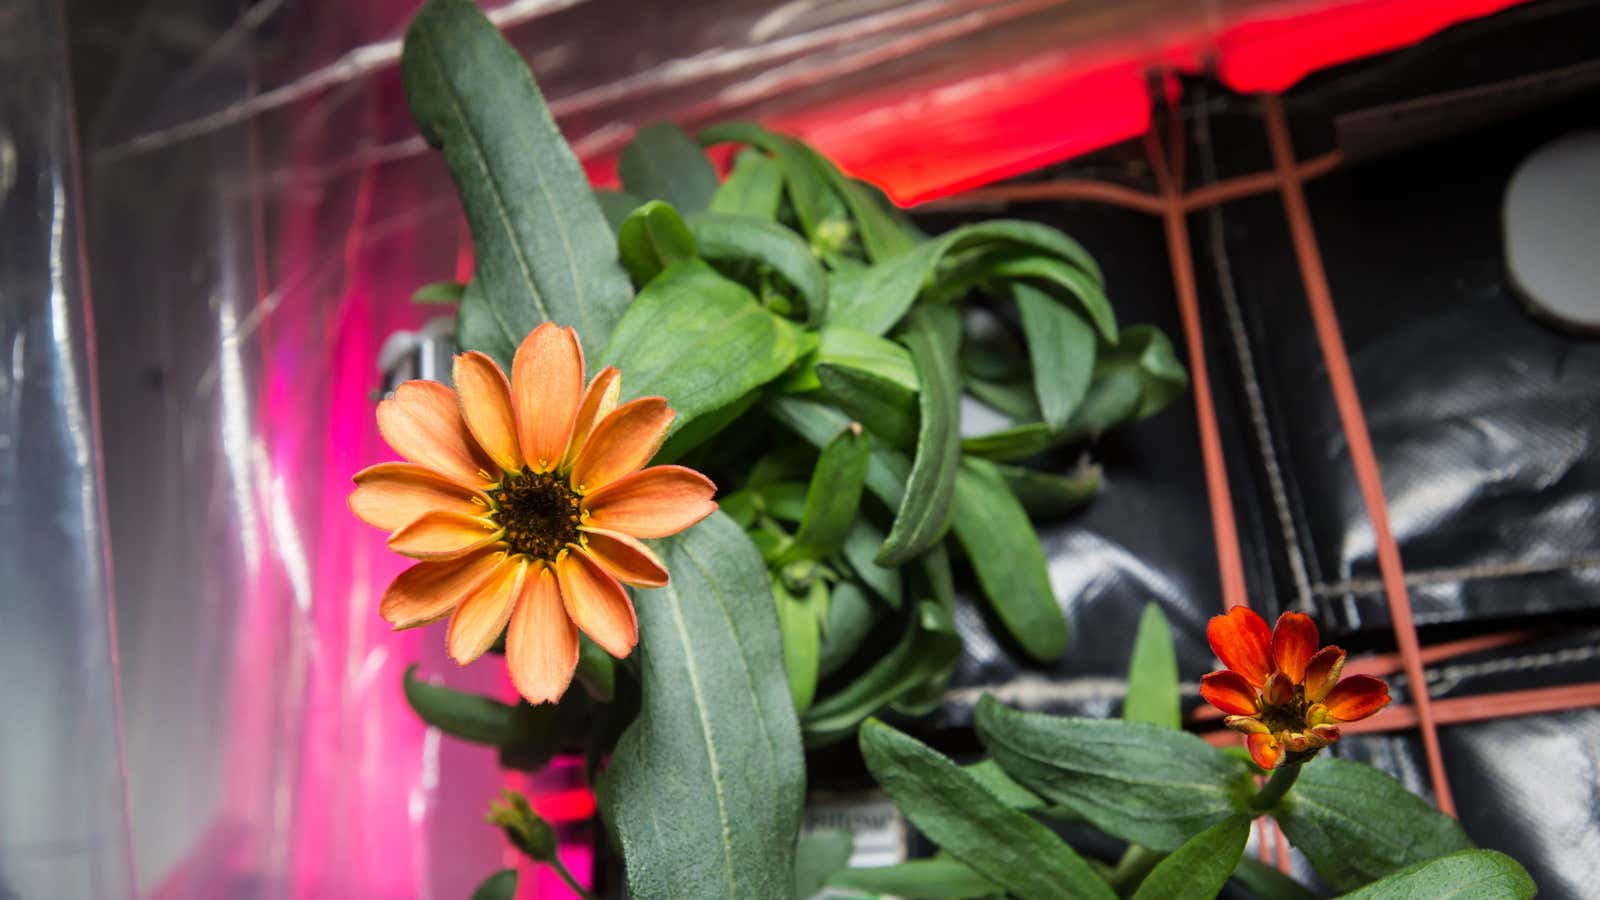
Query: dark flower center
x=539 y=511
x=1289 y=716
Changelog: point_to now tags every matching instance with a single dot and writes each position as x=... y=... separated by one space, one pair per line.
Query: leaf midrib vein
x=470 y=138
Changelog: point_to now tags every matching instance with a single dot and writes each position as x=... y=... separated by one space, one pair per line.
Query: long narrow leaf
x=543 y=249
x=705 y=786
x=1003 y=845
x=1153 y=673
x=923 y=513
x=664 y=163
x=1003 y=547
x=1198 y=869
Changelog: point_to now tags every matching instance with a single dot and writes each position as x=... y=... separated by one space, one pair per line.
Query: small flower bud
x=526 y=830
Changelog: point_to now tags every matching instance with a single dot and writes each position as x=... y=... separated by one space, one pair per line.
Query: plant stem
x=1136 y=863
x=1282 y=779
x=561 y=869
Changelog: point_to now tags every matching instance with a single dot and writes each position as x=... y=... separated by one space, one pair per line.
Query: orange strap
x=1354 y=423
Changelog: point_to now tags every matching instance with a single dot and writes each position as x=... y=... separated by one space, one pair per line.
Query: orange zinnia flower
x=1279 y=689
x=526 y=501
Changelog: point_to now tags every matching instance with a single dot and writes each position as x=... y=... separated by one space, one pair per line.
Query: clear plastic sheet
x=63 y=821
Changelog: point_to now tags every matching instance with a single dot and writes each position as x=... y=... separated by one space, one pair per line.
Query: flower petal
x=627 y=559
x=1322 y=673
x=1278 y=691
x=1323 y=735
x=1229 y=692
x=429 y=590
x=1293 y=641
x=422 y=422
x=443 y=535
x=598 y=402
x=1356 y=698
x=485 y=399
x=391 y=495
x=622 y=442
x=1265 y=750
x=542 y=642
x=1242 y=640
x=653 y=503
x=546 y=387
x=484 y=611
x=597 y=603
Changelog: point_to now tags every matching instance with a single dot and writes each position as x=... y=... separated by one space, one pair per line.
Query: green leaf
x=850 y=619
x=854 y=349
x=662 y=162
x=1061 y=345
x=543 y=249
x=1046 y=494
x=822 y=213
x=820 y=854
x=1016 y=399
x=1198 y=869
x=1153 y=673
x=1133 y=380
x=652 y=238
x=753 y=188
x=874 y=298
x=802 y=649
x=1005 y=788
x=939 y=581
x=881 y=234
x=1067 y=276
x=1003 y=547
x=1464 y=875
x=441 y=292
x=918 y=879
x=1267 y=883
x=502 y=885
x=1143 y=353
x=471 y=717
x=860 y=550
x=1003 y=845
x=705 y=786
x=704 y=427
x=1356 y=824
x=528 y=737
x=701 y=341
x=734 y=237
x=933 y=336
x=929 y=644
x=615 y=206
x=833 y=496
x=851 y=349
x=1014 y=443
x=597 y=670
x=817 y=423
x=784 y=500
x=547 y=730
x=887 y=410
x=1138 y=782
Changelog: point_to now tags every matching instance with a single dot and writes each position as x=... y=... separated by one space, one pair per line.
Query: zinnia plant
x=784 y=329
x=525 y=500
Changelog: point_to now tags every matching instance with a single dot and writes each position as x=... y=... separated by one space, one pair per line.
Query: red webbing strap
x=1230 y=563
x=1354 y=423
